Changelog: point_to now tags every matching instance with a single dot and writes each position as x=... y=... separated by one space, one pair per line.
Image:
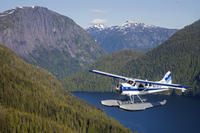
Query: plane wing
x=108 y=74
x=162 y=84
x=175 y=86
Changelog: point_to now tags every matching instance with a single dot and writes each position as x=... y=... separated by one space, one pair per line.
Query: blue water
x=178 y=115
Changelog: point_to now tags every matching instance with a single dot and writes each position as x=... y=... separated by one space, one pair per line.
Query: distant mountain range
x=130 y=35
x=48 y=39
x=180 y=54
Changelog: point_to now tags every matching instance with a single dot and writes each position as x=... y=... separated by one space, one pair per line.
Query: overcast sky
x=164 y=13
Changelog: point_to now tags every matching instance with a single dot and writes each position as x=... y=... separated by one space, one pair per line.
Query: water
x=178 y=115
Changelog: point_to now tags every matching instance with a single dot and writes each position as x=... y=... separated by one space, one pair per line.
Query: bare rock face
x=48 y=39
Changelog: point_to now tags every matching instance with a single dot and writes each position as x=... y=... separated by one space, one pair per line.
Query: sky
x=163 y=13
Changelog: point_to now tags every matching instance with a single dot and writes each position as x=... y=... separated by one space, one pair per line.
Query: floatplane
x=132 y=87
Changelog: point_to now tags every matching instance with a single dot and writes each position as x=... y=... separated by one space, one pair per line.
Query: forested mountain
x=180 y=54
x=32 y=100
x=48 y=39
x=130 y=35
x=85 y=81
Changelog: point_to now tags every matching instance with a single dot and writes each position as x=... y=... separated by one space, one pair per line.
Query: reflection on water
x=178 y=115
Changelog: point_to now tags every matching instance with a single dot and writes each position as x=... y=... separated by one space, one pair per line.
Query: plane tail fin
x=167 y=78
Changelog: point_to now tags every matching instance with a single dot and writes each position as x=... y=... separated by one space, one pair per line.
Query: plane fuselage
x=139 y=89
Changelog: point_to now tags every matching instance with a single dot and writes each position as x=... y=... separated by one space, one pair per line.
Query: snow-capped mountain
x=98 y=26
x=130 y=23
x=129 y=35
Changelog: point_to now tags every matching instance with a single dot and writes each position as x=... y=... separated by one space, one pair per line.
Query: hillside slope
x=180 y=54
x=130 y=35
x=47 y=39
x=32 y=100
x=85 y=81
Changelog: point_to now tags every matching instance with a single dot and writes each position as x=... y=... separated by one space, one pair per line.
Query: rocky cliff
x=48 y=39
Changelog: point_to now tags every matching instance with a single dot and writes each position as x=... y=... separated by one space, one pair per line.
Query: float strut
x=140 y=99
x=131 y=99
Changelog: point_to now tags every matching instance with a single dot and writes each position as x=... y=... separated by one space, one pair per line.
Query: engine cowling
x=119 y=88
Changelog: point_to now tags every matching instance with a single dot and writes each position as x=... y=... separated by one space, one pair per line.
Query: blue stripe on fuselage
x=140 y=89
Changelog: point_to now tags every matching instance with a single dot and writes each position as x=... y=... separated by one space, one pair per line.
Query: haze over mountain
x=48 y=39
x=130 y=35
x=180 y=54
x=32 y=100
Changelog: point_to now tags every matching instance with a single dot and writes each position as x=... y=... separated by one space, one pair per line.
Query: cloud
x=98 y=11
x=98 y=21
x=179 y=1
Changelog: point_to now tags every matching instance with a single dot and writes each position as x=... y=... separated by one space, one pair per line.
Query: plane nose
x=119 y=88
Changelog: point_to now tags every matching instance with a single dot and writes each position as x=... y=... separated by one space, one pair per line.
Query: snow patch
x=11 y=12
x=99 y=26
x=3 y=15
x=130 y=23
x=7 y=12
x=133 y=24
x=149 y=26
x=125 y=27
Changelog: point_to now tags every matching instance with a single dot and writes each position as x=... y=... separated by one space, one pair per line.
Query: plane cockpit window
x=130 y=82
x=134 y=84
x=141 y=86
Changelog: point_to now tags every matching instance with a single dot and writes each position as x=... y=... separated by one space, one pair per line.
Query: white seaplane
x=135 y=87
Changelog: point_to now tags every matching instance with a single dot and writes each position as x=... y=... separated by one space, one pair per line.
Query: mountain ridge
x=130 y=35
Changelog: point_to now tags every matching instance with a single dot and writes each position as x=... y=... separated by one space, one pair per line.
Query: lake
x=178 y=115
